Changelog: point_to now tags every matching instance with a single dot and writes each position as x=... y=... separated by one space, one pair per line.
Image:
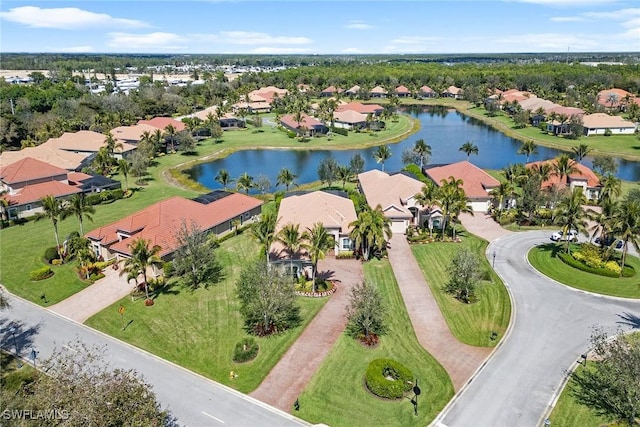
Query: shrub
x=571 y=261
x=168 y=268
x=56 y=261
x=613 y=266
x=345 y=254
x=340 y=131
x=116 y=194
x=246 y=350
x=291 y=134
x=607 y=132
x=41 y=273
x=388 y=378
x=96 y=276
x=50 y=254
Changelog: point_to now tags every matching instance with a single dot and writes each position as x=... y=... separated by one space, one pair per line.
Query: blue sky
x=320 y=27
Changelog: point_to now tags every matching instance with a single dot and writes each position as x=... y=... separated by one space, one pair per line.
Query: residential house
x=334 y=209
x=162 y=123
x=330 y=91
x=353 y=92
x=614 y=98
x=88 y=143
x=134 y=133
x=395 y=194
x=228 y=121
x=427 y=92
x=349 y=119
x=158 y=224
x=378 y=92
x=373 y=109
x=476 y=183
x=49 y=154
x=453 y=92
x=402 y=92
x=583 y=178
x=307 y=126
x=599 y=123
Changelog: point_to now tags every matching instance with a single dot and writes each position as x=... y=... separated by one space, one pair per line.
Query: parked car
x=608 y=241
x=571 y=235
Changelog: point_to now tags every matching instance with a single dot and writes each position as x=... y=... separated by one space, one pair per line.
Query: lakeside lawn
x=336 y=394
x=543 y=258
x=199 y=329
x=473 y=323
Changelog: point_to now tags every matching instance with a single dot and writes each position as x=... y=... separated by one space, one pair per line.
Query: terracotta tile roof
x=379 y=90
x=603 y=120
x=46 y=153
x=349 y=116
x=532 y=104
x=516 y=95
x=307 y=121
x=391 y=192
x=568 y=111
x=29 y=169
x=426 y=89
x=354 y=89
x=476 y=182
x=33 y=193
x=159 y=222
x=360 y=107
x=402 y=89
x=84 y=140
x=162 y=122
x=584 y=173
x=620 y=94
x=332 y=89
x=332 y=211
x=132 y=133
x=77 y=177
x=453 y=90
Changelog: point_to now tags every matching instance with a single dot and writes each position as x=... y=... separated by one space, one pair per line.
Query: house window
x=28 y=207
x=345 y=244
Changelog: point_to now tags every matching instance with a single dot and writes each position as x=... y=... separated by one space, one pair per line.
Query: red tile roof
x=584 y=173
x=307 y=121
x=476 y=182
x=29 y=169
x=360 y=107
x=426 y=89
x=402 y=89
x=162 y=122
x=159 y=222
x=620 y=94
x=33 y=193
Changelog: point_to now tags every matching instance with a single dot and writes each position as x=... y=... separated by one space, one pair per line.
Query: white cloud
x=268 y=50
x=250 y=37
x=358 y=25
x=158 y=40
x=65 y=18
x=567 y=19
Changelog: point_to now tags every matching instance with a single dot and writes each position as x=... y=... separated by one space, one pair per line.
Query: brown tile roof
x=307 y=121
x=533 y=103
x=584 y=173
x=426 y=89
x=402 y=89
x=132 y=133
x=33 y=193
x=620 y=94
x=162 y=122
x=84 y=140
x=354 y=89
x=159 y=222
x=603 y=120
x=46 y=153
x=349 y=116
x=332 y=211
x=453 y=90
x=360 y=107
x=332 y=89
x=391 y=192
x=568 y=111
x=379 y=90
x=29 y=169
x=476 y=182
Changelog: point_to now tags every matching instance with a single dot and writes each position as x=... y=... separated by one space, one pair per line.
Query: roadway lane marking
x=217 y=419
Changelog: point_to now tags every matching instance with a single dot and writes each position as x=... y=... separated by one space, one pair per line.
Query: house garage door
x=398 y=226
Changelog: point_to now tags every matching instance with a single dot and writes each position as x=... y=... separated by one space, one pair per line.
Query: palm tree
x=460 y=205
x=515 y=173
x=427 y=198
x=611 y=188
x=563 y=167
x=103 y=161
x=291 y=238
x=223 y=178
x=528 y=148
x=286 y=178
x=449 y=196
x=370 y=230
x=344 y=174
x=543 y=171
x=382 y=154
x=423 y=151
x=580 y=152
x=78 y=206
x=502 y=191
x=318 y=243
x=142 y=257
x=469 y=148
x=245 y=183
x=264 y=231
x=52 y=210
x=570 y=214
x=124 y=167
x=171 y=132
x=111 y=144
x=626 y=225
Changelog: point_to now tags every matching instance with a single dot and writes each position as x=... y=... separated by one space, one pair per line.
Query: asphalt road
x=551 y=328
x=192 y=399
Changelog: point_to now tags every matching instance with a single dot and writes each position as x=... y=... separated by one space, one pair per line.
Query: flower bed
x=322 y=294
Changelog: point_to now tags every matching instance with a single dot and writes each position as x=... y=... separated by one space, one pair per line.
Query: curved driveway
x=550 y=329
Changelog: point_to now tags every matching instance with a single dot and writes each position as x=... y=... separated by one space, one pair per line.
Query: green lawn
x=474 y=323
x=336 y=394
x=544 y=260
x=199 y=329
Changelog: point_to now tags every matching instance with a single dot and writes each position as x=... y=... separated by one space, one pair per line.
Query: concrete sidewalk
x=459 y=360
x=291 y=374
x=95 y=298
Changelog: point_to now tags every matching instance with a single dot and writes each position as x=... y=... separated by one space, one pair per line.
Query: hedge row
x=41 y=273
x=571 y=261
x=388 y=378
x=340 y=131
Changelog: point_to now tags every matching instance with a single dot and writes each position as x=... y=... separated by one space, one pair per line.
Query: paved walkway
x=288 y=378
x=482 y=225
x=459 y=360
x=95 y=298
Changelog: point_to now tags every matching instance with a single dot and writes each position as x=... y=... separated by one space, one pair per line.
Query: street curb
x=153 y=356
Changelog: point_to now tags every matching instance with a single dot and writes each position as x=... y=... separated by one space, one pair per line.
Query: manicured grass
x=13 y=372
x=336 y=394
x=544 y=259
x=473 y=323
x=199 y=329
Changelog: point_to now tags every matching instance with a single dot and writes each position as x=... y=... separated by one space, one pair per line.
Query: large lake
x=445 y=130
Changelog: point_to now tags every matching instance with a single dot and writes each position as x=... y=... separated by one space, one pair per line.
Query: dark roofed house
x=330 y=91
x=307 y=126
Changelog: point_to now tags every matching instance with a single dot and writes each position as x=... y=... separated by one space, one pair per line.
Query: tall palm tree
x=469 y=148
x=611 y=188
x=570 y=214
x=142 y=257
x=500 y=193
x=171 y=132
x=291 y=238
x=77 y=206
x=286 y=178
x=626 y=225
x=423 y=151
x=580 y=152
x=318 y=243
x=245 y=183
x=103 y=161
x=528 y=148
x=263 y=231
x=428 y=197
x=124 y=167
x=543 y=171
x=449 y=196
x=382 y=154
x=603 y=220
x=460 y=205
x=563 y=167
x=223 y=178
x=370 y=230
x=111 y=144
x=53 y=210
x=344 y=174
x=515 y=173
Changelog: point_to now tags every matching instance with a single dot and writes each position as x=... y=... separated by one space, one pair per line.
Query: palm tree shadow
x=170 y=288
x=554 y=248
x=629 y=319
x=325 y=275
x=17 y=336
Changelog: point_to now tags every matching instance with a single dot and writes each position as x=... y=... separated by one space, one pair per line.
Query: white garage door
x=398 y=227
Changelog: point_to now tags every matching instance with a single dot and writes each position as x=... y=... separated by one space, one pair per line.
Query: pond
x=445 y=130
